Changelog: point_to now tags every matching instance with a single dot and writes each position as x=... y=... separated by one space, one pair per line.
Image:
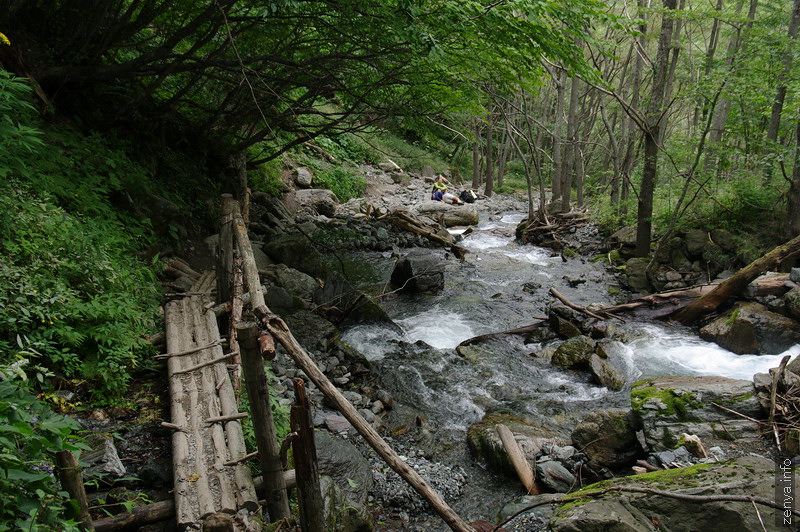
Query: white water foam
x=371 y=340
x=664 y=351
x=438 y=328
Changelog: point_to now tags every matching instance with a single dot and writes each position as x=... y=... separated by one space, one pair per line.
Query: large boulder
x=605 y=373
x=303 y=177
x=574 y=352
x=419 y=271
x=666 y=407
x=102 y=459
x=340 y=302
x=449 y=215
x=696 y=241
x=750 y=328
x=294 y=250
x=624 y=240
x=486 y=446
x=634 y=512
x=320 y=200
x=636 y=275
x=608 y=437
x=792 y=299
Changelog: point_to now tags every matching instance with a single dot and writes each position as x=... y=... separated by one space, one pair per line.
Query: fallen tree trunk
x=734 y=285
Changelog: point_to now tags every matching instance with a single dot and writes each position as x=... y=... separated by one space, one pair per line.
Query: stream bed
x=501 y=286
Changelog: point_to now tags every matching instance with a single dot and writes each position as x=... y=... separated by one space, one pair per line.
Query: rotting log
x=184 y=269
x=524 y=470
x=734 y=285
x=69 y=473
x=257 y=387
x=278 y=329
x=312 y=508
x=138 y=517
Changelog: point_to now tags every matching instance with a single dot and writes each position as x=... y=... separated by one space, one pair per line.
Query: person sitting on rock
x=440 y=192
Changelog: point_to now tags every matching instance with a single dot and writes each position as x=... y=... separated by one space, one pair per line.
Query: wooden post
x=69 y=472
x=278 y=329
x=312 y=509
x=268 y=450
x=225 y=250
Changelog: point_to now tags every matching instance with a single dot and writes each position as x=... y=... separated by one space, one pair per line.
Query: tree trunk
x=793 y=199
x=734 y=285
x=557 y=124
x=489 y=157
x=655 y=122
x=780 y=95
x=476 y=156
x=571 y=148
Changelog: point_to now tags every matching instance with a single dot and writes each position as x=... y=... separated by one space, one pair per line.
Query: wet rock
x=341 y=512
x=606 y=373
x=336 y=423
x=625 y=240
x=303 y=177
x=573 y=352
x=295 y=251
x=750 y=328
x=555 y=477
x=486 y=446
x=563 y=327
x=320 y=200
x=792 y=301
x=533 y=519
x=451 y=215
x=608 y=437
x=636 y=275
x=419 y=271
x=749 y=475
x=540 y=334
x=696 y=241
x=666 y=407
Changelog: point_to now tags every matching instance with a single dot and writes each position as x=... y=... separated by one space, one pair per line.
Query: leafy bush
x=347 y=183
x=72 y=293
x=30 y=435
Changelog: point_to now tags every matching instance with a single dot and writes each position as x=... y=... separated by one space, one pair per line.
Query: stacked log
x=208 y=431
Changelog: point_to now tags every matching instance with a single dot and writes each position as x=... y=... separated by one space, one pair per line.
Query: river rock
x=555 y=477
x=636 y=274
x=340 y=302
x=606 y=373
x=608 y=437
x=419 y=271
x=341 y=512
x=320 y=200
x=486 y=446
x=389 y=166
x=102 y=459
x=696 y=240
x=344 y=463
x=632 y=512
x=750 y=328
x=294 y=250
x=666 y=407
x=303 y=177
x=792 y=299
x=573 y=352
x=625 y=240
x=533 y=519
x=452 y=215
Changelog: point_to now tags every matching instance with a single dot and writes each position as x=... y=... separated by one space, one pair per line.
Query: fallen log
x=138 y=517
x=734 y=285
x=524 y=471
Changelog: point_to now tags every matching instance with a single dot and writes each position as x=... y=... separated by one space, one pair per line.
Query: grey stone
x=320 y=200
x=389 y=166
x=103 y=458
x=606 y=373
x=750 y=476
x=427 y=171
x=573 y=352
x=337 y=423
x=419 y=271
x=666 y=407
x=608 y=437
x=452 y=215
x=183 y=284
x=636 y=274
x=303 y=177
x=794 y=275
x=792 y=301
x=696 y=241
x=555 y=476
x=750 y=328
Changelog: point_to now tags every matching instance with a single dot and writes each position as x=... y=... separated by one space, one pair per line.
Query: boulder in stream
x=634 y=512
x=574 y=352
x=606 y=373
x=750 y=328
x=451 y=215
x=419 y=271
x=666 y=407
x=608 y=437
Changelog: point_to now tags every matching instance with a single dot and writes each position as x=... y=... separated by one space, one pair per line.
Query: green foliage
x=410 y=155
x=30 y=435
x=72 y=295
x=346 y=182
x=280 y=413
x=267 y=178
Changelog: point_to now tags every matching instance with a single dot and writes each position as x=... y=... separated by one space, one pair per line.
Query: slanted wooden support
x=255 y=379
x=312 y=508
x=69 y=473
x=524 y=470
x=278 y=329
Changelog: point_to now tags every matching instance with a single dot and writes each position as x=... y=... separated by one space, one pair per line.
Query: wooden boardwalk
x=210 y=479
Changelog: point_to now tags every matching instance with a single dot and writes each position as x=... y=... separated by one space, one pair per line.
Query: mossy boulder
x=636 y=275
x=792 y=299
x=485 y=445
x=750 y=328
x=666 y=407
x=608 y=437
x=574 y=352
x=633 y=512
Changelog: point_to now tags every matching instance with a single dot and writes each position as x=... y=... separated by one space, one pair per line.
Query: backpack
x=468 y=196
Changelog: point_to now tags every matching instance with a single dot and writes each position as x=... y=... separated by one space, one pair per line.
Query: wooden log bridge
x=207 y=429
